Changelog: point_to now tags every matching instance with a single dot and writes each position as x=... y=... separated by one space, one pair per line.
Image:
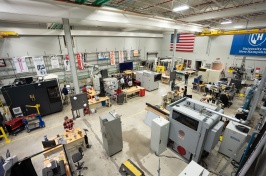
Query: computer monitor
x=47 y=144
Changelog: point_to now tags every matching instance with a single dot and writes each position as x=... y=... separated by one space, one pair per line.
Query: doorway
x=198 y=64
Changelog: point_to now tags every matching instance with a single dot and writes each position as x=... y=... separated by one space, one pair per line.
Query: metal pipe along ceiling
x=223 y=9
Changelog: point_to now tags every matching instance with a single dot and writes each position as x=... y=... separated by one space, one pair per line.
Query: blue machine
x=196 y=82
x=34 y=125
x=249 y=98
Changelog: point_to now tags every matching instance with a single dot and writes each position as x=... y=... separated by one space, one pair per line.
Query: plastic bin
x=142 y=92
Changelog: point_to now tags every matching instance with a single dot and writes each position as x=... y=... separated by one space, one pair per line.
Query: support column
x=257 y=97
x=70 y=51
x=174 y=50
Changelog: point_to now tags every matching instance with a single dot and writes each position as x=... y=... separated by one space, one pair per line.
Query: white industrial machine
x=159 y=135
x=232 y=139
x=96 y=82
x=194 y=169
x=149 y=80
x=195 y=128
x=110 y=85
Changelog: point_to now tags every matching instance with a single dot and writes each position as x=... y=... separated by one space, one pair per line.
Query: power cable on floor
x=172 y=157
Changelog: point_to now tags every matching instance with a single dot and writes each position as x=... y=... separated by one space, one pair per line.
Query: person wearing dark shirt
x=65 y=94
x=173 y=85
x=186 y=77
x=68 y=124
x=84 y=89
x=185 y=92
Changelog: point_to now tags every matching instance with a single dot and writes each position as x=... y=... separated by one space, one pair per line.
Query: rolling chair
x=225 y=101
x=76 y=158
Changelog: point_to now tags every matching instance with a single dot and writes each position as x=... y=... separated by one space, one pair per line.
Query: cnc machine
x=194 y=131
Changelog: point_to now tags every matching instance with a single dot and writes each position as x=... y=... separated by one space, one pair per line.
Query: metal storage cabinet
x=111 y=133
x=159 y=135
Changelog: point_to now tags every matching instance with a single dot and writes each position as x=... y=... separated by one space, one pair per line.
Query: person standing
x=122 y=82
x=65 y=94
x=185 y=92
x=84 y=89
x=186 y=78
x=68 y=124
x=173 y=85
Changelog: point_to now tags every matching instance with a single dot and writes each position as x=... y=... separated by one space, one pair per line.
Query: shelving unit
x=9 y=71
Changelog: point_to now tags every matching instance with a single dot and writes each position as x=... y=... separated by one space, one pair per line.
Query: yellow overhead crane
x=7 y=34
x=208 y=32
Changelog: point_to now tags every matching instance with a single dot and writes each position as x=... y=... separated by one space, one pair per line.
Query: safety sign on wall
x=121 y=57
x=54 y=62
x=20 y=64
x=249 y=45
x=39 y=66
x=112 y=57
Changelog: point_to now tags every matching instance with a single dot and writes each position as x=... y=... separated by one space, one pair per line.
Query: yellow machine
x=160 y=69
x=34 y=125
x=179 y=67
x=128 y=168
x=4 y=135
x=37 y=106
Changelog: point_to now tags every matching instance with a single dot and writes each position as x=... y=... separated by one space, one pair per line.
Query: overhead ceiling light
x=238 y=27
x=226 y=22
x=181 y=8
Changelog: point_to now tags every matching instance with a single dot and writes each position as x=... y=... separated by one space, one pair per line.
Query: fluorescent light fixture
x=180 y=8
x=226 y=22
x=238 y=27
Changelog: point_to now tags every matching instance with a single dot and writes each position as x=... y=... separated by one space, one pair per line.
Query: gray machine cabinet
x=159 y=135
x=213 y=136
x=232 y=140
x=111 y=133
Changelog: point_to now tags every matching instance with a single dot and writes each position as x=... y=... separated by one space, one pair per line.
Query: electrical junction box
x=232 y=139
x=159 y=135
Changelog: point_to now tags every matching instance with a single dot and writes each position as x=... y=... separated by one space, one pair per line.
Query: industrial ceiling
x=130 y=15
x=209 y=13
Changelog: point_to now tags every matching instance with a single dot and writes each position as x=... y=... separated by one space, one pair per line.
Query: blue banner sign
x=249 y=44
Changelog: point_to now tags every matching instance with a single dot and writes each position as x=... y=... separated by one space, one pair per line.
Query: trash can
x=120 y=98
x=142 y=92
x=103 y=103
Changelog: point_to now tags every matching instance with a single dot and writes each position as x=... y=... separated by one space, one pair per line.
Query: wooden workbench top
x=94 y=101
x=69 y=136
x=132 y=89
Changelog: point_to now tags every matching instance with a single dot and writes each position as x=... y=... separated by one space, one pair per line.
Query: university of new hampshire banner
x=249 y=45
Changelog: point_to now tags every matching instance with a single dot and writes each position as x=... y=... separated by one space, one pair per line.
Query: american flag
x=184 y=42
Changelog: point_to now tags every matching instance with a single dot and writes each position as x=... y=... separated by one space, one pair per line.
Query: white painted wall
x=47 y=45
x=219 y=48
x=32 y=46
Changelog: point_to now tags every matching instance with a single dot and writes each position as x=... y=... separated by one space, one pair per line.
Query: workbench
x=58 y=158
x=181 y=74
x=91 y=93
x=132 y=90
x=72 y=142
x=148 y=108
x=128 y=73
x=165 y=79
x=101 y=99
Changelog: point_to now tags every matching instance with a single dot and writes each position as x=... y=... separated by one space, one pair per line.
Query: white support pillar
x=71 y=57
x=257 y=96
x=174 y=50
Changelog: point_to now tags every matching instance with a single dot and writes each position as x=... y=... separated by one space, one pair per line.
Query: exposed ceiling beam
x=217 y=3
x=230 y=11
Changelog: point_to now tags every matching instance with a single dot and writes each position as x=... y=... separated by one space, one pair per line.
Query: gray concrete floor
x=136 y=139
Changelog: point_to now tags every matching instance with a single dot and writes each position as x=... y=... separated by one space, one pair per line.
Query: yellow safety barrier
x=4 y=135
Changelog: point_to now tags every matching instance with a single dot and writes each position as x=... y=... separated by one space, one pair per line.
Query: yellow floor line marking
x=18 y=139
